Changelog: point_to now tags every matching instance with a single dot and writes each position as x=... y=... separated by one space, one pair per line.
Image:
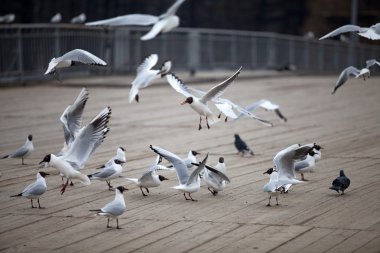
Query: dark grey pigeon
x=340 y=183
x=241 y=146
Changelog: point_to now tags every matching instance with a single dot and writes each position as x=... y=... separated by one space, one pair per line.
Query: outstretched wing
x=82 y=56
x=342 y=29
x=172 y=9
x=178 y=85
x=130 y=19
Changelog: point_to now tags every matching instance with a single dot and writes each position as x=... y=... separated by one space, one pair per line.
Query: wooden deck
x=311 y=218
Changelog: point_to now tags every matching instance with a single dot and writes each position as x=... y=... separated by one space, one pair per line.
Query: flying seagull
x=345 y=74
x=372 y=32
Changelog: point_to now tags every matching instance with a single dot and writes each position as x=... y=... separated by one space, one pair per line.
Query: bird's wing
x=280 y=115
x=157 y=161
x=226 y=109
x=106 y=172
x=342 y=29
x=130 y=19
x=82 y=56
x=218 y=90
x=371 y=62
x=146 y=177
x=148 y=63
x=114 y=206
x=268 y=105
x=372 y=33
x=178 y=85
x=179 y=165
x=71 y=118
x=20 y=152
x=343 y=77
x=133 y=92
x=156 y=29
x=194 y=175
x=217 y=174
x=89 y=138
x=172 y=9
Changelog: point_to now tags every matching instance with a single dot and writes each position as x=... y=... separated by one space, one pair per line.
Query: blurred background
x=213 y=34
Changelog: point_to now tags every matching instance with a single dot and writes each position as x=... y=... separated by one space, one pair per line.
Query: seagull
x=161 y=24
x=80 y=19
x=306 y=165
x=72 y=58
x=57 y=18
x=216 y=182
x=150 y=178
x=266 y=105
x=120 y=155
x=200 y=104
x=340 y=183
x=241 y=146
x=273 y=187
x=85 y=143
x=71 y=119
x=35 y=189
x=9 y=18
x=372 y=32
x=371 y=62
x=187 y=183
x=191 y=158
x=115 y=208
x=347 y=72
x=109 y=172
x=24 y=151
x=146 y=75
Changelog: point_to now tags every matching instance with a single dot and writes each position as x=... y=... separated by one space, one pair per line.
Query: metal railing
x=26 y=50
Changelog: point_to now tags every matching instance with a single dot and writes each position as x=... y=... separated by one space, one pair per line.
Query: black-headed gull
x=346 y=73
x=216 y=182
x=161 y=24
x=24 y=151
x=120 y=155
x=199 y=104
x=372 y=32
x=191 y=158
x=72 y=58
x=146 y=75
x=35 y=189
x=57 y=18
x=109 y=172
x=187 y=183
x=85 y=143
x=9 y=18
x=115 y=208
x=341 y=183
x=273 y=187
x=241 y=146
x=150 y=178
x=266 y=105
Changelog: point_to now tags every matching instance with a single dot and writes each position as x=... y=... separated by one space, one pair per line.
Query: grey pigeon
x=241 y=146
x=340 y=183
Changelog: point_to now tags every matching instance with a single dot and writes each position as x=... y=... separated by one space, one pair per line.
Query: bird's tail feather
x=133 y=180
x=95 y=210
x=5 y=157
x=18 y=195
x=83 y=178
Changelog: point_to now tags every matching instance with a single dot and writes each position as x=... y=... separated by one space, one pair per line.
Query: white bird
x=24 y=151
x=345 y=74
x=304 y=166
x=9 y=18
x=216 y=182
x=161 y=24
x=71 y=119
x=266 y=105
x=150 y=178
x=200 y=104
x=191 y=158
x=85 y=143
x=72 y=58
x=187 y=183
x=109 y=172
x=146 y=75
x=372 y=32
x=120 y=155
x=273 y=187
x=115 y=208
x=57 y=18
x=80 y=19
x=35 y=189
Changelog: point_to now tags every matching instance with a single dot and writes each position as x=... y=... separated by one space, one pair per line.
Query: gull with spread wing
x=372 y=32
x=146 y=75
x=346 y=73
x=266 y=105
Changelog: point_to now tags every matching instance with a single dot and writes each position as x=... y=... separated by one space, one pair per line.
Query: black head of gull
x=162 y=178
x=194 y=152
x=121 y=189
x=43 y=174
x=221 y=159
x=188 y=100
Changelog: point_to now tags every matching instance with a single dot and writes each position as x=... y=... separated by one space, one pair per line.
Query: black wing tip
x=5 y=156
x=17 y=195
x=176 y=77
x=95 y=210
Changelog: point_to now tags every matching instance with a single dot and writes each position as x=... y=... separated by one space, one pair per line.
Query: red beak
x=184 y=102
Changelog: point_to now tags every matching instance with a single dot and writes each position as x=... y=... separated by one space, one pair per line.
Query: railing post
x=56 y=42
x=272 y=52
x=253 y=52
x=194 y=51
x=19 y=55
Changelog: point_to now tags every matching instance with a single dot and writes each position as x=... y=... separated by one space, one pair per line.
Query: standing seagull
x=241 y=146
x=273 y=187
x=216 y=182
x=80 y=19
x=109 y=172
x=146 y=75
x=150 y=178
x=35 y=190
x=24 y=151
x=372 y=32
x=187 y=183
x=72 y=58
x=161 y=24
x=57 y=18
x=340 y=183
x=200 y=104
x=85 y=143
x=120 y=155
x=115 y=208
